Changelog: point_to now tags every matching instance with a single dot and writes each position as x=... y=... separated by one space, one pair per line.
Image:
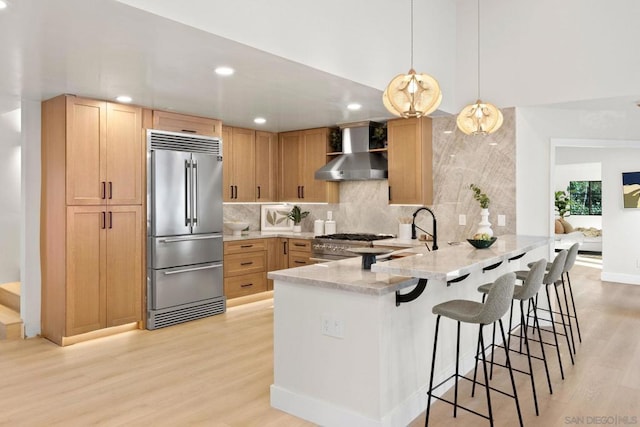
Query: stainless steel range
x=333 y=247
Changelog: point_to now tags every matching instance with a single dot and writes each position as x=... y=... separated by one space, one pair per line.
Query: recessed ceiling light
x=447 y=132
x=224 y=71
x=122 y=98
x=354 y=106
x=3 y=4
x=493 y=143
x=260 y=120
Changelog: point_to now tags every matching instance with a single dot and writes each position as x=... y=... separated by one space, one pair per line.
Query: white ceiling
x=104 y=48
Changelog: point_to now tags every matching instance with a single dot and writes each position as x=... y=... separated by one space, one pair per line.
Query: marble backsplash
x=459 y=160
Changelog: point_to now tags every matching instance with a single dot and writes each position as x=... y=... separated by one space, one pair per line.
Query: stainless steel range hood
x=357 y=163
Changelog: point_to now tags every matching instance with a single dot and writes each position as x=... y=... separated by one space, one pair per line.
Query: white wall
x=569 y=168
x=10 y=158
x=30 y=218
x=535 y=130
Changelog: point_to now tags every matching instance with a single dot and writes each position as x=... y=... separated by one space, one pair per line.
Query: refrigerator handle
x=194 y=214
x=187 y=192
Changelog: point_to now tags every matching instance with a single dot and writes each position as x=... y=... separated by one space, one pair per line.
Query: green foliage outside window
x=586 y=197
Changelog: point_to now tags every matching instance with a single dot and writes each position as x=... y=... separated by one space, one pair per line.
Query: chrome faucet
x=435 y=230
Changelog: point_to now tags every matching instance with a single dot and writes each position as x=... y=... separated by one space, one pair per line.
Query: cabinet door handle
x=247 y=263
x=284 y=247
x=246 y=246
x=300 y=245
x=110 y=219
x=302 y=187
x=103 y=221
x=110 y=190
x=299 y=262
x=189 y=131
x=389 y=192
x=235 y=191
x=246 y=285
x=258 y=192
x=103 y=190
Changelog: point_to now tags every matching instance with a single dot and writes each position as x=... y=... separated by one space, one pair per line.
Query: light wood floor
x=217 y=372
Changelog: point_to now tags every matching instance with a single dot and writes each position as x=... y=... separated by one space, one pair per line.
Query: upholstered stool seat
x=526 y=292
x=496 y=305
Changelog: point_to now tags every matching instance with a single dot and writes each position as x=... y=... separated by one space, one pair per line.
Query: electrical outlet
x=462 y=219
x=502 y=220
x=331 y=326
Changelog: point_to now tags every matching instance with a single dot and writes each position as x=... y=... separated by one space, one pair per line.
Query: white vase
x=484 y=226
x=297 y=228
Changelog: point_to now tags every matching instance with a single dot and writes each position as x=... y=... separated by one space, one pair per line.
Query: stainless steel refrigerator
x=184 y=223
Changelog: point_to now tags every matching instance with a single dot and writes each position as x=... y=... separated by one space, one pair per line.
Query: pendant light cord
x=478 y=49
x=412 y=34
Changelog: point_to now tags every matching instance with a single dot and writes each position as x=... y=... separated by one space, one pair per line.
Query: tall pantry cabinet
x=91 y=216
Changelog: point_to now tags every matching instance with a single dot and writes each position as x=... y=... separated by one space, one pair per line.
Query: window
x=586 y=197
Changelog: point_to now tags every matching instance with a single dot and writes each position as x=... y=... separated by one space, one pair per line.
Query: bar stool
x=568 y=265
x=497 y=303
x=526 y=292
x=551 y=280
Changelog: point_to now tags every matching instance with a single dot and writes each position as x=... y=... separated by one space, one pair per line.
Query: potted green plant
x=296 y=215
x=484 y=225
x=562 y=203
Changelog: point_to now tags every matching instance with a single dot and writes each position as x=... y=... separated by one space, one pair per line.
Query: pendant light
x=480 y=118
x=412 y=94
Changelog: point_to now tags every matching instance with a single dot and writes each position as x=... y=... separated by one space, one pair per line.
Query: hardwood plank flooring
x=217 y=372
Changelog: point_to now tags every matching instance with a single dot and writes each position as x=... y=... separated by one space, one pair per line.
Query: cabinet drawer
x=253 y=262
x=181 y=285
x=300 y=245
x=246 y=284
x=173 y=122
x=298 y=259
x=244 y=246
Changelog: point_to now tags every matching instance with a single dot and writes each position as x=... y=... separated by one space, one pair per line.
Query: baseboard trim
x=628 y=279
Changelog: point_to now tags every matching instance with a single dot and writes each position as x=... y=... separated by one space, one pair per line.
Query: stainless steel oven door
x=181 y=285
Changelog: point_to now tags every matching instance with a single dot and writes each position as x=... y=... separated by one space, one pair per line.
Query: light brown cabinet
x=104 y=250
x=239 y=150
x=299 y=252
x=182 y=123
x=410 y=161
x=301 y=153
x=245 y=265
x=266 y=166
x=250 y=165
x=91 y=216
x=104 y=153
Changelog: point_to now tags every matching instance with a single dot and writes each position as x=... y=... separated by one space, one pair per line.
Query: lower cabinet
x=245 y=267
x=104 y=267
x=299 y=253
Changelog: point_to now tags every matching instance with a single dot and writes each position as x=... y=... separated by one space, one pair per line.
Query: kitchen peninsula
x=346 y=352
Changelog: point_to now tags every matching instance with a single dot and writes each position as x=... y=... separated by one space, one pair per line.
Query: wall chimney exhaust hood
x=357 y=163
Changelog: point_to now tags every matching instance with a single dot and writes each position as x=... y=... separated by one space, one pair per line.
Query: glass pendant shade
x=412 y=95
x=480 y=118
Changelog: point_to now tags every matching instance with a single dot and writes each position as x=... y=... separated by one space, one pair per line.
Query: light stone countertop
x=452 y=261
x=401 y=243
x=267 y=235
x=346 y=275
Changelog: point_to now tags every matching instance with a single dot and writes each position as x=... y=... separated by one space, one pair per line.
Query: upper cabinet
x=239 y=176
x=250 y=165
x=301 y=154
x=266 y=166
x=174 y=122
x=104 y=153
x=410 y=161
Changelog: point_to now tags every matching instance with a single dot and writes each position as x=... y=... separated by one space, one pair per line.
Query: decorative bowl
x=482 y=244
x=236 y=227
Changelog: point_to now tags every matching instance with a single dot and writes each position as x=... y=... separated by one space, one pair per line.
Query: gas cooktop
x=361 y=237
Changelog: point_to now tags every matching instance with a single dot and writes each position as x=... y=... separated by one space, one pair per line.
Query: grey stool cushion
x=496 y=305
x=532 y=281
